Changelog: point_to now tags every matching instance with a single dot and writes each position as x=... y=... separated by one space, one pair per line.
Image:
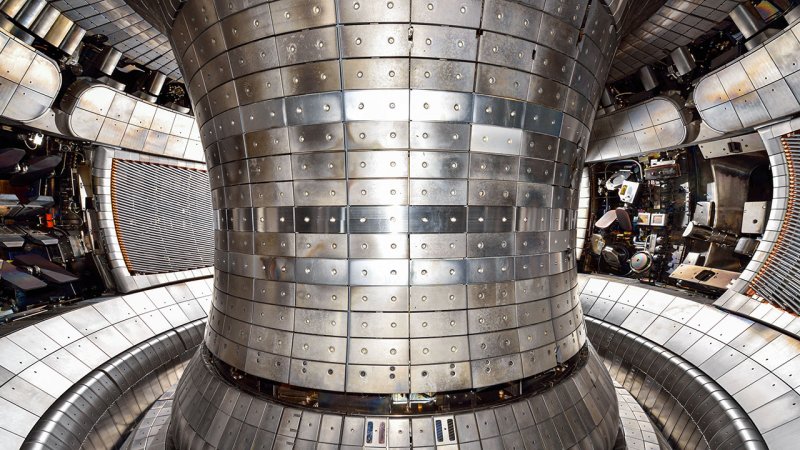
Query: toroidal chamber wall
x=395 y=186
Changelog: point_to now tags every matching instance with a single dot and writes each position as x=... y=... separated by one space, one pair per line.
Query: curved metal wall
x=655 y=124
x=756 y=88
x=97 y=411
x=580 y=412
x=660 y=342
x=29 y=80
x=765 y=289
x=41 y=362
x=394 y=185
x=104 y=115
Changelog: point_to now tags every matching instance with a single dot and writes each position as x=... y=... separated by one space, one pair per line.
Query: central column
x=395 y=186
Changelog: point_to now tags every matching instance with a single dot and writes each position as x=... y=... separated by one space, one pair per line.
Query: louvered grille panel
x=163 y=216
x=776 y=279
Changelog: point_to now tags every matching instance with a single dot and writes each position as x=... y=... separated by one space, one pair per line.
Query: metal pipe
x=786 y=281
x=156 y=82
x=648 y=77
x=12 y=7
x=683 y=60
x=111 y=57
x=28 y=14
x=747 y=20
x=606 y=99
x=45 y=21
x=705 y=233
x=774 y=294
x=73 y=39
x=58 y=31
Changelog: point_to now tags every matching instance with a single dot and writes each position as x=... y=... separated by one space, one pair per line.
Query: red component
x=48 y=221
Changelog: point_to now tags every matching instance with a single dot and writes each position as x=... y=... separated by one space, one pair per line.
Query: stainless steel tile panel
x=438 y=165
x=444 y=43
x=310 y=78
x=503 y=50
x=442 y=75
x=439 y=350
x=322 y=297
x=379 y=246
x=378 y=40
x=292 y=15
x=437 y=192
x=307 y=46
x=389 y=104
x=427 y=246
x=440 y=106
x=372 y=164
x=381 y=190
x=372 y=378
x=379 y=298
x=384 y=73
x=375 y=134
x=369 y=12
x=439 y=136
x=502 y=82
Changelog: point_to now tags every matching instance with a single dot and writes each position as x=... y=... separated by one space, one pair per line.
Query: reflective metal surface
x=101 y=114
x=124 y=223
x=394 y=186
x=655 y=124
x=408 y=146
x=180 y=217
x=669 y=352
x=756 y=88
x=62 y=377
x=134 y=33
x=667 y=27
x=761 y=290
x=581 y=411
x=29 y=80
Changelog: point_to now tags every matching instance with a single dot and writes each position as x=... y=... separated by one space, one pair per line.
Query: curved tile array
x=103 y=115
x=577 y=413
x=124 y=278
x=757 y=365
x=96 y=412
x=40 y=362
x=29 y=80
x=152 y=432
x=137 y=37
x=655 y=124
x=639 y=431
x=758 y=87
x=688 y=406
x=674 y=24
x=395 y=175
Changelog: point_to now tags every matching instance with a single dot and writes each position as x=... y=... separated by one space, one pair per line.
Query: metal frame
x=101 y=180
